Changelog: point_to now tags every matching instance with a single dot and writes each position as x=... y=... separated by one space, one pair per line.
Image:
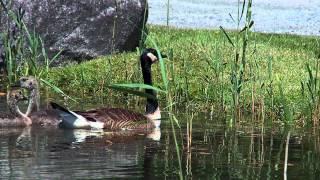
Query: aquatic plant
x=239 y=63
x=310 y=88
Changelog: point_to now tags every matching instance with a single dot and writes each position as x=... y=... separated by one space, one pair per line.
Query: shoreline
x=199 y=56
x=233 y=30
x=192 y=51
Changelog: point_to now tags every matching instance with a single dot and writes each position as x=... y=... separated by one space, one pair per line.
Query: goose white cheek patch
x=152 y=57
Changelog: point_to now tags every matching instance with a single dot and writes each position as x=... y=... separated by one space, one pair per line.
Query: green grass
x=200 y=67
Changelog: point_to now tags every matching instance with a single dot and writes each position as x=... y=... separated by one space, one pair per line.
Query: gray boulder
x=84 y=29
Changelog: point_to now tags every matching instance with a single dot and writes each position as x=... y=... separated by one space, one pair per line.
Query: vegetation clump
x=231 y=72
x=199 y=68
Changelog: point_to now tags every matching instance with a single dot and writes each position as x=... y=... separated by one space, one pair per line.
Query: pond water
x=272 y=16
x=216 y=152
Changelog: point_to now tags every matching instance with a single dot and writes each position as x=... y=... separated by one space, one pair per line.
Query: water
x=3 y=106
x=272 y=16
x=217 y=152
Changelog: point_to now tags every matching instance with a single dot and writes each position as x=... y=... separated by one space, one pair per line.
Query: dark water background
x=272 y=16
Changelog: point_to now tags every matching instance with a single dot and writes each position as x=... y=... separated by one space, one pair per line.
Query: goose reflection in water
x=80 y=152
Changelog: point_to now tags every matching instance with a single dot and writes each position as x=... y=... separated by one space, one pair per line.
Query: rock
x=84 y=29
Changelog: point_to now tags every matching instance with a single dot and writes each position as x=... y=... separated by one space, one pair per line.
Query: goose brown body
x=8 y=120
x=48 y=117
x=118 y=118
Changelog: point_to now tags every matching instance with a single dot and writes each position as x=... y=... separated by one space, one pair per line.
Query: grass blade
x=56 y=89
x=143 y=86
x=225 y=33
x=131 y=91
x=242 y=10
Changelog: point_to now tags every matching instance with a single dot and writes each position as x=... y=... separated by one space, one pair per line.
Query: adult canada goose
x=117 y=118
x=17 y=118
x=106 y=118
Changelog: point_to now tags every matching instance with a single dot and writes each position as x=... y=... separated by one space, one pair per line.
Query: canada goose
x=106 y=118
x=117 y=118
x=48 y=117
x=17 y=118
x=45 y=118
x=31 y=84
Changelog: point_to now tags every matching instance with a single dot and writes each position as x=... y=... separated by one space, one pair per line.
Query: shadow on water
x=40 y=153
x=217 y=151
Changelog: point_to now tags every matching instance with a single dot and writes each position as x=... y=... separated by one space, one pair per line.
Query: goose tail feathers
x=70 y=119
x=58 y=107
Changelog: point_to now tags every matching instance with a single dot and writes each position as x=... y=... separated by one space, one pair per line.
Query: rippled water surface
x=216 y=152
x=278 y=16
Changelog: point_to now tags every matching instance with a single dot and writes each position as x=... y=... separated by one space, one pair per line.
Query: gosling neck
x=34 y=100
x=14 y=109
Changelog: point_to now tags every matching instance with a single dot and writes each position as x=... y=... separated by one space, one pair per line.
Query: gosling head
x=15 y=96
x=151 y=55
x=27 y=82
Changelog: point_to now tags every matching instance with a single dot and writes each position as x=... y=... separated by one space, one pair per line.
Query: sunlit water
x=217 y=151
x=273 y=16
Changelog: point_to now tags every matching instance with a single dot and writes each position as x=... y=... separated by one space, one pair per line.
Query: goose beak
x=25 y=98
x=163 y=55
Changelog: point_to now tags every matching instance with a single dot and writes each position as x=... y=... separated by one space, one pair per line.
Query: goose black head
x=151 y=55
x=27 y=82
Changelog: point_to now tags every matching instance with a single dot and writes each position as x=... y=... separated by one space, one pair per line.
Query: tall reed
x=310 y=89
x=25 y=52
x=239 y=62
x=168 y=12
x=13 y=41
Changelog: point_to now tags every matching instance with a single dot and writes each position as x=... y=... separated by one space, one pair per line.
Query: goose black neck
x=152 y=104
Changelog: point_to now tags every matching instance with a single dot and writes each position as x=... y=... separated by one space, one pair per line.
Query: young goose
x=31 y=84
x=107 y=118
x=48 y=117
x=17 y=118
